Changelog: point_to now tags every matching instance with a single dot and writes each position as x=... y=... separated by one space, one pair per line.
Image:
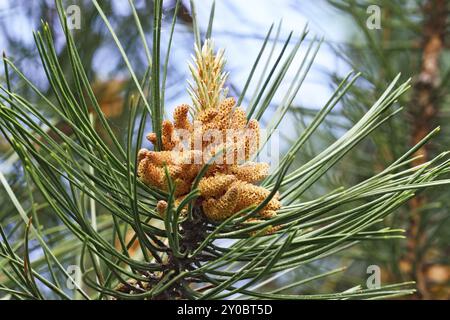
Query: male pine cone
x=219 y=130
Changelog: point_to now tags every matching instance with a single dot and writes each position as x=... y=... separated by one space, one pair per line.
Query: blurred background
x=378 y=38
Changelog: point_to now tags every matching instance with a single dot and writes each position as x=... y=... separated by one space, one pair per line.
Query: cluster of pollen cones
x=230 y=183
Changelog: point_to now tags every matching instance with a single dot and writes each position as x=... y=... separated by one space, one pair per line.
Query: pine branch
x=420 y=40
x=148 y=243
x=424 y=112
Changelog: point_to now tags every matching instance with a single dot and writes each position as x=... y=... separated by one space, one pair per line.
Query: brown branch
x=424 y=109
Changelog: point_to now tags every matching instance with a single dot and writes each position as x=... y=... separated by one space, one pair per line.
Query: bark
x=424 y=110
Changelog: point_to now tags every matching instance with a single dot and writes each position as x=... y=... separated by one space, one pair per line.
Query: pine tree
x=413 y=39
x=170 y=228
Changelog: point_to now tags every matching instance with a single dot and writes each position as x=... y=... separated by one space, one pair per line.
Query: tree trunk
x=424 y=110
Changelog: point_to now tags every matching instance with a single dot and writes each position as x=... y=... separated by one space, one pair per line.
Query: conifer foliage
x=205 y=229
